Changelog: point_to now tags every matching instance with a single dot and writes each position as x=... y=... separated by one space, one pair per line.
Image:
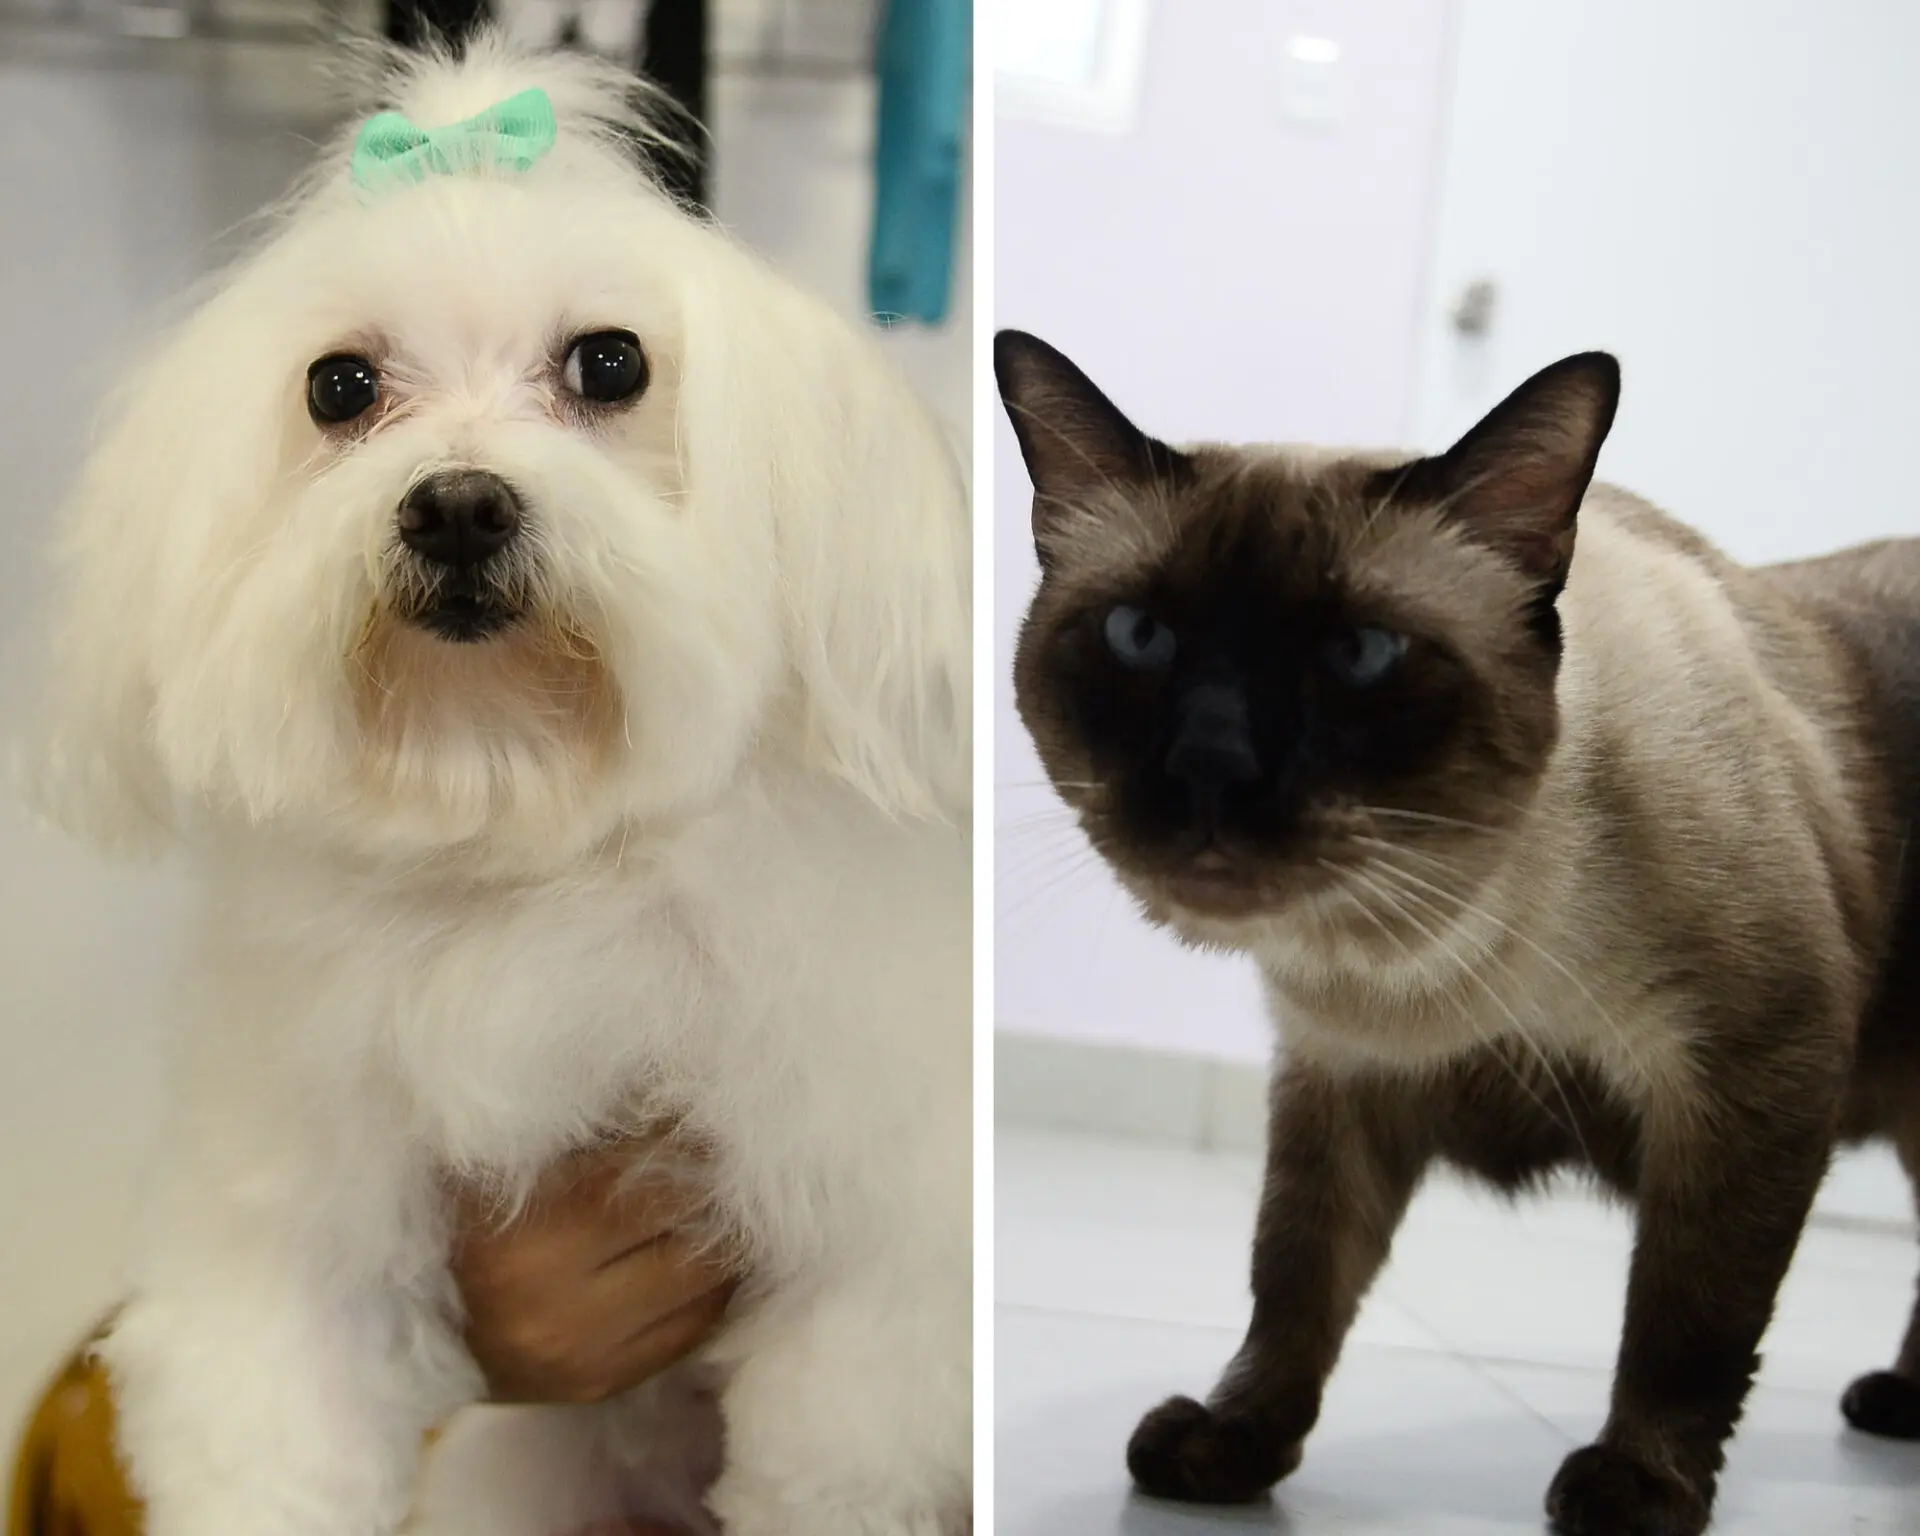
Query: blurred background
x=1363 y=222
x=134 y=139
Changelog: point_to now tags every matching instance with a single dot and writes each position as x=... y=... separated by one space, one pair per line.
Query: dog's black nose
x=458 y=517
x=1213 y=747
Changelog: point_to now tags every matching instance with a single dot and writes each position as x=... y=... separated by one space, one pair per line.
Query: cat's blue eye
x=1361 y=657
x=1138 y=639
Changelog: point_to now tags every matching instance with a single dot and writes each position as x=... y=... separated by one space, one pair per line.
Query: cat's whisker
x=1011 y=812
x=1017 y=842
x=1389 y=846
x=1511 y=931
x=1054 y=831
x=1034 y=872
x=1483 y=1037
x=1040 y=860
x=1036 y=855
x=1443 y=868
x=1410 y=888
x=1037 y=896
x=1045 y=812
x=1060 y=812
x=1428 y=818
x=1522 y=810
x=1105 y=920
x=1469 y=967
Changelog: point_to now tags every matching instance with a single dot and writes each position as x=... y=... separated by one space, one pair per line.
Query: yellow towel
x=66 y=1479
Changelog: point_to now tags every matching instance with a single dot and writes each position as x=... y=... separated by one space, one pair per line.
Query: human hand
x=593 y=1289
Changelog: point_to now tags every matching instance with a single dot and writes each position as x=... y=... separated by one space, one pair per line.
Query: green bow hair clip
x=510 y=135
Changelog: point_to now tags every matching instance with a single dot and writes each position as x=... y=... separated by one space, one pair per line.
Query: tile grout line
x=1482 y=1369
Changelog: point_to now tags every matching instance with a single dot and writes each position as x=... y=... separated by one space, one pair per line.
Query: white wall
x=1222 y=274
x=1723 y=193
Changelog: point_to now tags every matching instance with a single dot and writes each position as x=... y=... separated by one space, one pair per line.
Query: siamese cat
x=1559 y=838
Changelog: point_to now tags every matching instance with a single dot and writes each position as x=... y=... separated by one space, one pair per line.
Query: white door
x=1724 y=193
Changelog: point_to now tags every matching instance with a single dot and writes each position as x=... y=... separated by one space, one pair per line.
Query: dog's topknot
x=608 y=120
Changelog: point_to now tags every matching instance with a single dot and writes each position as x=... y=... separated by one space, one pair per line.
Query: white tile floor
x=1480 y=1360
x=122 y=174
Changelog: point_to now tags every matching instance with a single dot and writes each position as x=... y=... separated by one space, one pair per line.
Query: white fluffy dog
x=547 y=633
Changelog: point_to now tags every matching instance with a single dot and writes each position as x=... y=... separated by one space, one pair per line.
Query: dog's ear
x=193 y=430
x=91 y=762
x=793 y=418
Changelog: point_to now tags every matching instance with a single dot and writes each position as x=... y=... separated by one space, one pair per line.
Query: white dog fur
x=687 y=845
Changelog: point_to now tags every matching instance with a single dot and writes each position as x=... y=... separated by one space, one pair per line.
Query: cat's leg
x=1724 y=1191
x=849 y=1412
x=1343 y=1159
x=1888 y=1402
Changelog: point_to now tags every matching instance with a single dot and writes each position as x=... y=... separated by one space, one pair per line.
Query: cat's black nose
x=1212 y=747
x=458 y=517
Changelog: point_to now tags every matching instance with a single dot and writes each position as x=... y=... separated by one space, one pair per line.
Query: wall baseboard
x=1202 y=1104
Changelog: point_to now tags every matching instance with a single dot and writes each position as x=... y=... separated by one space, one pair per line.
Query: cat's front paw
x=1185 y=1450
x=1884 y=1404
x=1601 y=1490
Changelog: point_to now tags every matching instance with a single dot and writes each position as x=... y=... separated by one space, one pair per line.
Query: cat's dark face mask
x=1250 y=670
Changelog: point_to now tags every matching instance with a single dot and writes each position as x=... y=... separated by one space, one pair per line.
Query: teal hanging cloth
x=924 y=61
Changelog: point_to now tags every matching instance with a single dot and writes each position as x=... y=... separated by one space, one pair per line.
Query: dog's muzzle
x=461 y=525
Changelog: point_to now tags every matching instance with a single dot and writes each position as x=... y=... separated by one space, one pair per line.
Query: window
x=1076 y=63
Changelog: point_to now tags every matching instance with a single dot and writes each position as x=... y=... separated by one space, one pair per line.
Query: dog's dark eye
x=1361 y=657
x=606 y=366
x=340 y=388
x=1138 y=639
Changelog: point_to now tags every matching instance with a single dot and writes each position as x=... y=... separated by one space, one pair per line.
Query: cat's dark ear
x=1516 y=479
x=1074 y=439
